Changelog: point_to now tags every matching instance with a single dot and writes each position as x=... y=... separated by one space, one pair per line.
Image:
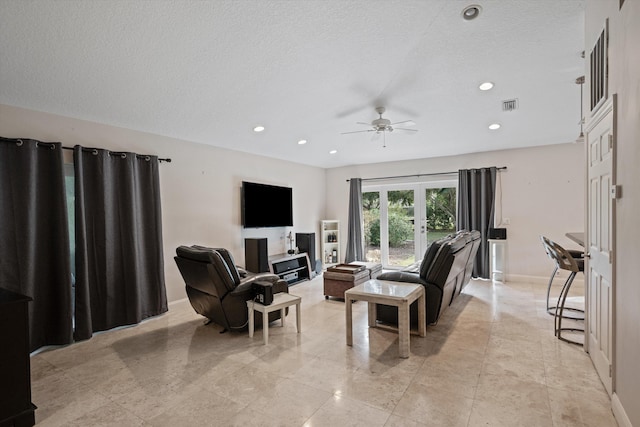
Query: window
x=401 y=220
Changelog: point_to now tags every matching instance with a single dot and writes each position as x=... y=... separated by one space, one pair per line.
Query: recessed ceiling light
x=333 y=151
x=471 y=12
x=486 y=86
x=494 y=126
x=258 y=128
x=302 y=142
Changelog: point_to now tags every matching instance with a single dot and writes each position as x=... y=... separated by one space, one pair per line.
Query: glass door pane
x=441 y=212
x=401 y=228
x=400 y=221
x=371 y=214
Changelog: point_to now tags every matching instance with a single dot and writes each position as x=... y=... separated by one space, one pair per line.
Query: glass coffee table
x=386 y=292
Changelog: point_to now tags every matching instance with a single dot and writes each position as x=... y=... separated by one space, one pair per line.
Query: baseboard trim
x=538 y=280
x=177 y=301
x=523 y=278
x=619 y=412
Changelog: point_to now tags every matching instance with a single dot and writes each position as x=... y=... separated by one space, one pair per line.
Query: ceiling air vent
x=510 y=104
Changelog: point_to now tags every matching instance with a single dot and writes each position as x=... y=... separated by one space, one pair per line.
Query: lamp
x=580 y=81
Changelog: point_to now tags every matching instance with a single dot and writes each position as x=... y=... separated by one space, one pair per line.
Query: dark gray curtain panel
x=119 y=256
x=355 y=241
x=476 y=201
x=34 y=236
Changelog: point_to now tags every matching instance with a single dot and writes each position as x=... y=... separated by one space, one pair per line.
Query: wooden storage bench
x=375 y=268
x=342 y=277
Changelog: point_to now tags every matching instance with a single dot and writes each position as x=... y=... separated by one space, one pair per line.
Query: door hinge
x=610 y=370
x=610 y=142
x=616 y=191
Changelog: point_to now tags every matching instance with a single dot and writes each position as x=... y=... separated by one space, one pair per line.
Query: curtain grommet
x=147 y=158
x=20 y=143
x=94 y=152
x=123 y=155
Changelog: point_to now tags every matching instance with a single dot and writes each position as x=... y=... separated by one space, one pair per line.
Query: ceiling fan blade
x=400 y=109
x=406 y=123
x=351 y=111
x=357 y=131
x=407 y=130
x=363 y=123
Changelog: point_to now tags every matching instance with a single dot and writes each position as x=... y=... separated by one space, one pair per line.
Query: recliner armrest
x=279 y=285
x=265 y=277
x=402 y=276
x=244 y=290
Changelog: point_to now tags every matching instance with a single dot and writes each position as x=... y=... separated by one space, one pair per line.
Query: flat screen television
x=266 y=205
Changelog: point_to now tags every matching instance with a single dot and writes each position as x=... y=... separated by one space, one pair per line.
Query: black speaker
x=306 y=242
x=263 y=292
x=498 y=233
x=256 y=258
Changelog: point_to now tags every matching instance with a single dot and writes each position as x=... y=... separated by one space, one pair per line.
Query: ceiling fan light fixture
x=383 y=126
x=471 y=12
x=333 y=151
x=494 y=126
x=258 y=128
x=486 y=86
x=302 y=142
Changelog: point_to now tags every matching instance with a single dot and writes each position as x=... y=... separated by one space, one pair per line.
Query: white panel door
x=600 y=268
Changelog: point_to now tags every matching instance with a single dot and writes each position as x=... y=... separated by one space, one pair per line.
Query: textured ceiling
x=209 y=71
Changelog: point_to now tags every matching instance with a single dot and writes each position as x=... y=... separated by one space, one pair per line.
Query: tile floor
x=491 y=360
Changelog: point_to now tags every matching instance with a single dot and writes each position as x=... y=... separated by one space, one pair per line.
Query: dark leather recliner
x=218 y=290
x=444 y=271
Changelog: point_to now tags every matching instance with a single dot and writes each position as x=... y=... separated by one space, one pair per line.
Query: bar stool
x=578 y=256
x=564 y=261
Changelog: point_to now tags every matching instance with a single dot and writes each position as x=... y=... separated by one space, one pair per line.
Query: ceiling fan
x=382 y=126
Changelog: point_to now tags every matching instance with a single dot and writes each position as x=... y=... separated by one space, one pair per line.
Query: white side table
x=498 y=263
x=397 y=294
x=281 y=301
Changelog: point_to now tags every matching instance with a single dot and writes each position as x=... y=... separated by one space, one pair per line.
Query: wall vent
x=510 y=104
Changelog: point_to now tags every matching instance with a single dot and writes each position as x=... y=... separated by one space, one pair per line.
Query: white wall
x=200 y=188
x=543 y=194
x=624 y=80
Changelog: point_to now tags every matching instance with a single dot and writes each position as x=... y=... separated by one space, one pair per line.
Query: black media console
x=292 y=268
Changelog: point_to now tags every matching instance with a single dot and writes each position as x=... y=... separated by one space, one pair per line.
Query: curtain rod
x=51 y=144
x=117 y=152
x=419 y=174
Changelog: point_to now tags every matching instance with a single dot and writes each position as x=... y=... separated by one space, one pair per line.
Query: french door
x=401 y=220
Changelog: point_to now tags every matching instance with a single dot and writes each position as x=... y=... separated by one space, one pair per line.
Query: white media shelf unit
x=330 y=247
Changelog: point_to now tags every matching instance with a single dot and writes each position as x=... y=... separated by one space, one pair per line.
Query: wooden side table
x=281 y=301
x=387 y=292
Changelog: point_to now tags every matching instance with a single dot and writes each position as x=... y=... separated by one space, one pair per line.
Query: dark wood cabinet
x=16 y=409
